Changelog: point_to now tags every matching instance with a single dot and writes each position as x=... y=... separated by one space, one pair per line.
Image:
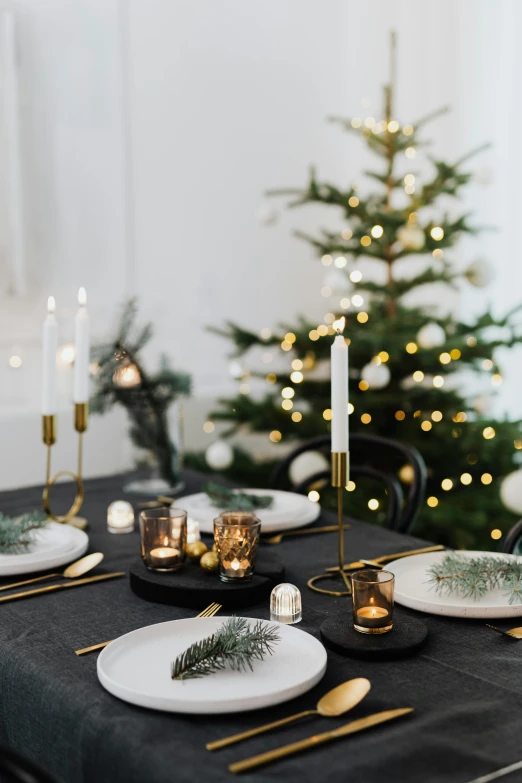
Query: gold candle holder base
x=81 y=410
x=340 y=477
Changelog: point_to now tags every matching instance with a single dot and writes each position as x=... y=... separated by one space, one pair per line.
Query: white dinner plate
x=288 y=510
x=50 y=547
x=136 y=668
x=412 y=589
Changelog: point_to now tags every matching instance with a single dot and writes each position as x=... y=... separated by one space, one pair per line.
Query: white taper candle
x=81 y=360
x=339 y=389
x=49 y=350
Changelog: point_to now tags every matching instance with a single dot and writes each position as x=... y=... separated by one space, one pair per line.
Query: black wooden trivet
x=406 y=637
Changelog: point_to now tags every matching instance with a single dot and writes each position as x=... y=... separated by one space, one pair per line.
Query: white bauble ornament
x=219 y=455
x=236 y=370
x=377 y=376
x=431 y=335
x=307 y=464
x=480 y=273
x=511 y=492
x=267 y=215
x=411 y=237
x=483 y=404
x=337 y=281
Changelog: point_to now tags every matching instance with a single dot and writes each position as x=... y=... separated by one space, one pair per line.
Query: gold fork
x=210 y=611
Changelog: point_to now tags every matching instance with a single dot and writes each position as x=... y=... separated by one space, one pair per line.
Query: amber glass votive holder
x=372 y=600
x=163 y=538
x=236 y=535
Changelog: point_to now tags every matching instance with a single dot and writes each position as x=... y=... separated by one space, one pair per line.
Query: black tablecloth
x=465 y=686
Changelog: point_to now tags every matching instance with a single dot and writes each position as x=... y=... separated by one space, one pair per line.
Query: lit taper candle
x=339 y=389
x=81 y=361
x=49 y=350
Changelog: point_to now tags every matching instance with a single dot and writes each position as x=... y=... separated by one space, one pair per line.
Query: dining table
x=464 y=685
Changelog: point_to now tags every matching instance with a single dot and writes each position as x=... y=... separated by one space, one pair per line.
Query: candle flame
x=339 y=325
x=82 y=297
x=51 y=305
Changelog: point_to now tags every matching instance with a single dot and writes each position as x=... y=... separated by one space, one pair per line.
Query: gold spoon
x=513 y=633
x=73 y=571
x=278 y=538
x=334 y=703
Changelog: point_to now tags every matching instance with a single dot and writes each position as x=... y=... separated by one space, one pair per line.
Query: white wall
x=151 y=129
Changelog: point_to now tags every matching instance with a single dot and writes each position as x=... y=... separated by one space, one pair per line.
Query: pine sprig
x=231 y=500
x=235 y=645
x=14 y=531
x=474 y=577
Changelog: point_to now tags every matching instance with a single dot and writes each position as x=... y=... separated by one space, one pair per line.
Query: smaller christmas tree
x=121 y=379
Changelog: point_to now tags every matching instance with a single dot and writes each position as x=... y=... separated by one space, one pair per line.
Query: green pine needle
x=474 y=577
x=231 y=500
x=14 y=531
x=235 y=645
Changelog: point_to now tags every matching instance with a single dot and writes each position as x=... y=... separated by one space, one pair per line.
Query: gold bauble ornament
x=196 y=550
x=210 y=562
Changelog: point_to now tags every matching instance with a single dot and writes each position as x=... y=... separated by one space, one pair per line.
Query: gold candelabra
x=340 y=478
x=81 y=414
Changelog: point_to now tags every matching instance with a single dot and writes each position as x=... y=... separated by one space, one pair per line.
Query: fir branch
x=223 y=497
x=235 y=645
x=474 y=577
x=14 y=531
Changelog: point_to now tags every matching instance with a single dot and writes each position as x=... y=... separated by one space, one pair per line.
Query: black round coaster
x=405 y=638
x=194 y=588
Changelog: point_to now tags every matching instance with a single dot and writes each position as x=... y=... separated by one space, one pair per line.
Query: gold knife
x=319 y=739
x=66 y=586
x=384 y=558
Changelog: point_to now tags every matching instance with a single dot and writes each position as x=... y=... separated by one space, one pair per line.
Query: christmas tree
x=410 y=366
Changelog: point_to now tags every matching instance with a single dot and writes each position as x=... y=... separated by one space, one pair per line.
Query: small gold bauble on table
x=210 y=562
x=196 y=550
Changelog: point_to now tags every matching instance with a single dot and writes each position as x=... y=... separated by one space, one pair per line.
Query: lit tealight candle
x=164 y=557
x=372 y=616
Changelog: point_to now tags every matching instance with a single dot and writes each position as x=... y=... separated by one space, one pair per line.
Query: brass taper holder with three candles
x=81 y=414
x=340 y=478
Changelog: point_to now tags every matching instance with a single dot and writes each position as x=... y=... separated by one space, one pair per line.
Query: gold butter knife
x=319 y=739
x=65 y=586
x=385 y=558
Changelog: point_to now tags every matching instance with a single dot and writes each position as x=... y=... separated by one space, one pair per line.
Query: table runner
x=465 y=686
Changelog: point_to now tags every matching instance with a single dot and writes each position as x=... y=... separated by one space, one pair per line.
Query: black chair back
x=14 y=768
x=512 y=543
x=400 y=514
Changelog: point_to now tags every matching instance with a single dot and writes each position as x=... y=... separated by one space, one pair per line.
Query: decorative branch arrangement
x=14 y=531
x=474 y=577
x=231 y=500
x=235 y=645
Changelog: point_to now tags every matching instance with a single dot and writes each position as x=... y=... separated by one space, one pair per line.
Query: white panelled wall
x=149 y=131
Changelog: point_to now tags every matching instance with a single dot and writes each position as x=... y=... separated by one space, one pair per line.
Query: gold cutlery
x=318 y=739
x=499 y=773
x=210 y=611
x=334 y=703
x=388 y=558
x=64 y=586
x=278 y=538
x=79 y=568
x=513 y=633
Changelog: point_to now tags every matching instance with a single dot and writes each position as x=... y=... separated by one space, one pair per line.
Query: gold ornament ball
x=196 y=550
x=210 y=562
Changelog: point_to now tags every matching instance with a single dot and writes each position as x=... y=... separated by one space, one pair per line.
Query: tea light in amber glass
x=372 y=600
x=120 y=517
x=236 y=535
x=163 y=534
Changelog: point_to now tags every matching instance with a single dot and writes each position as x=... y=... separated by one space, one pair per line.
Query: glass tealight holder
x=372 y=600
x=285 y=604
x=163 y=538
x=120 y=517
x=236 y=535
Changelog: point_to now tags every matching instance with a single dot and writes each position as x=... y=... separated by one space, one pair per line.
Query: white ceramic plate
x=413 y=590
x=51 y=547
x=136 y=668
x=288 y=510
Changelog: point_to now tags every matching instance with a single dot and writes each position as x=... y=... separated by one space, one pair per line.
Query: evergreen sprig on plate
x=473 y=577
x=232 y=500
x=14 y=531
x=235 y=645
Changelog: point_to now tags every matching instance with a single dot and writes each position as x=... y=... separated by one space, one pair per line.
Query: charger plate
x=413 y=590
x=287 y=512
x=51 y=547
x=136 y=668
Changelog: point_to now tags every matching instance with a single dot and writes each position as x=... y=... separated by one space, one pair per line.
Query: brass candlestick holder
x=81 y=414
x=340 y=477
